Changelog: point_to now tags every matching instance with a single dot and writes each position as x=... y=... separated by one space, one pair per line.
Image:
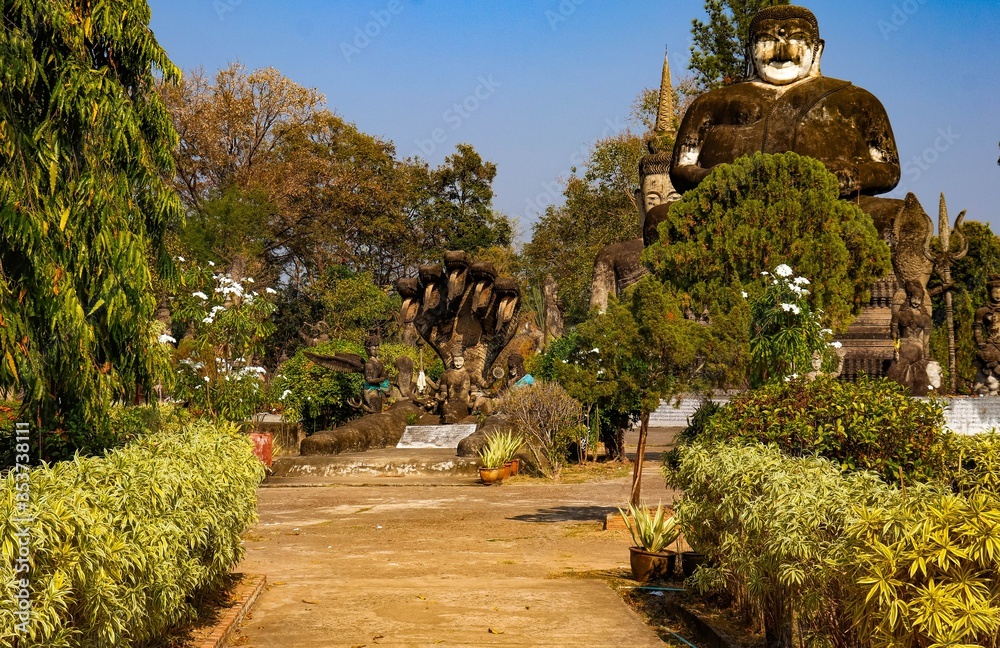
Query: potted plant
x=509 y=444
x=652 y=533
x=492 y=470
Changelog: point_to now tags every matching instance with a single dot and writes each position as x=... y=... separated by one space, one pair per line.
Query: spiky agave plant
x=652 y=531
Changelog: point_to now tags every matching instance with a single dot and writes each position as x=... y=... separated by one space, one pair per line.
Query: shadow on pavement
x=567 y=514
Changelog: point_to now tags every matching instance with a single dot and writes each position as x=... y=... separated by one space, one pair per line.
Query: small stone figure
x=376 y=386
x=911 y=331
x=402 y=387
x=517 y=375
x=454 y=389
x=987 y=361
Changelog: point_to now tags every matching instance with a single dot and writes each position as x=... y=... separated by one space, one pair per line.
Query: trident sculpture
x=952 y=246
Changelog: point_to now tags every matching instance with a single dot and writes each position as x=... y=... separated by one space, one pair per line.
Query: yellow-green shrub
x=120 y=544
x=834 y=558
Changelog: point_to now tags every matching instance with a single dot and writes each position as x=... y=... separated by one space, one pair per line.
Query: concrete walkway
x=395 y=563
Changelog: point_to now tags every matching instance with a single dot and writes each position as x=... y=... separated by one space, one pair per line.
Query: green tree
x=600 y=210
x=760 y=212
x=718 y=54
x=84 y=143
x=456 y=207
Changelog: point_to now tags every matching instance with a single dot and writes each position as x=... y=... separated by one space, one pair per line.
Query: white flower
x=200 y=295
x=801 y=281
x=836 y=345
x=791 y=308
x=181 y=259
x=595 y=350
x=167 y=339
x=271 y=291
x=764 y=273
x=211 y=264
x=285 y=394
x=249 y=280
x=783 y=271
x=208 y=320
x=826 y=332
x=206 y=379
x=745 y=295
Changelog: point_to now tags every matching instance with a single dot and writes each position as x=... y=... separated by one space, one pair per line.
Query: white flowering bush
x=785 y=332
x=227 y=322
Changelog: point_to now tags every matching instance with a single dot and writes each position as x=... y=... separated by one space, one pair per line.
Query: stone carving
x=911 y=332
x=786 y=104
x=554 y=326
x=952 y=245
x=986 y=332
x=376 y=386
x=618 y=266
x=403 y=387
x=454 y=391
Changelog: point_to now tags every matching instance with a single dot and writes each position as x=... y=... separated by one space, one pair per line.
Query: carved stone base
x=867 y=342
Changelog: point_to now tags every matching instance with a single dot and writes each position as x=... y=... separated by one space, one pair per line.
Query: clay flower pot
x=515 y=466
x=491 y=475
x=647 y=566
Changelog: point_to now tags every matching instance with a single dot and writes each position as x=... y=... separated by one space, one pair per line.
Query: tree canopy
x=84 y=144
x=718 y=53
x=272 y=178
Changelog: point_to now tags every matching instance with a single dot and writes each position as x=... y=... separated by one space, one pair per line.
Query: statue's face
x=656 y=189
x=915 y=301
x=372 y=351
x=458 y=362
x=785 y=51
x=995 y=294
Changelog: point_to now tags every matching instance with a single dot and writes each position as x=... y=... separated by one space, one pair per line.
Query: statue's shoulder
x=847 y=90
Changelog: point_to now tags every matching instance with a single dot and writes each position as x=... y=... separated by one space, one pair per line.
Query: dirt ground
x=394 y=563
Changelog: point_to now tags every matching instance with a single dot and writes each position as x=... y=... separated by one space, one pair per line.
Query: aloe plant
x=491 y=456
x=652 y=531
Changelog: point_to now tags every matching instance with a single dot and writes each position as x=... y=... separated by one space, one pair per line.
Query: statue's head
x=784 y=45
x=515 y=365
x=457 y=361
x=372 y=344
x=993 y=286
x=914 y=293
x=655 y=187
x=816 y=361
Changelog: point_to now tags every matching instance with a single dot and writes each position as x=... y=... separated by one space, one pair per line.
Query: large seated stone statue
x=787 y=105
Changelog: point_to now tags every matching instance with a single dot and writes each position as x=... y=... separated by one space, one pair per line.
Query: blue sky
x=538 y=81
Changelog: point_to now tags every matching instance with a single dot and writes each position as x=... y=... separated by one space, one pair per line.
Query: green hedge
x=120 y=545
x=820 y=556
x=869 y=425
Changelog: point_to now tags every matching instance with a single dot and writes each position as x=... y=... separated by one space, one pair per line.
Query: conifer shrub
x=119 y=546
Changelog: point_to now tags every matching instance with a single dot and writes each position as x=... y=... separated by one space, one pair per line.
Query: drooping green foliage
x=775 y=528
x=718 y=53
x=121 y=545
x=845 y=559
x=869 y=425
x=759 y=212
x=85 y=143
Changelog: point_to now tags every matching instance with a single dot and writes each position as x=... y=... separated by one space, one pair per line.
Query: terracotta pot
x=491 y=475
x=515 y=466
x=690 y=561
x=647 y=566
x=509 y=469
